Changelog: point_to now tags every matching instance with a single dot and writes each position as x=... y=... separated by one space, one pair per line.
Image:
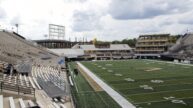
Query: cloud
x=2 y=13
x=139 y=9
x=81 y=1
x=35 y=29
x=86 y=21
x=103 y=19
x=186 y=18
x=16 y=20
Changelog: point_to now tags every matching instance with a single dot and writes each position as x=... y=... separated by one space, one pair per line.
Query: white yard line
x=170 y=62
x=124 y=103
x=160 y=92
x=163 y=100
x=129 y=88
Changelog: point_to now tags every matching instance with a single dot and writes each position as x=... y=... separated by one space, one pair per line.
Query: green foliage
x=130 y=42
x=174 y=38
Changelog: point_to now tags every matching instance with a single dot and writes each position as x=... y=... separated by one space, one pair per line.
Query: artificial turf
x=177 y=81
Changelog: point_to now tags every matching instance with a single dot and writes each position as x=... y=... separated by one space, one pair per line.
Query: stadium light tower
x=45 y=35
x=56 y=31
x=17 y=26
x=187 y=30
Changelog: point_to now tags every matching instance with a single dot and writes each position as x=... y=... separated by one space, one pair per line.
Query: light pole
x=45 y=35
x=17 y=26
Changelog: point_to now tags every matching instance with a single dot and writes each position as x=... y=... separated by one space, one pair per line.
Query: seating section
x=15 y=49
x=18 y=51
x=57 y=77
x=183 y=49
x=54 y=75
x=27 y=84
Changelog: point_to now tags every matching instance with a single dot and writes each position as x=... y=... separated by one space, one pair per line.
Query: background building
x=152 y=45
x=106 y=51
x=55 y=44
x=58 y=44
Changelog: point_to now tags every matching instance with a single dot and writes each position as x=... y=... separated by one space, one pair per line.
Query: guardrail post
x=34 y=94
x=1 y=86
x=18 y=89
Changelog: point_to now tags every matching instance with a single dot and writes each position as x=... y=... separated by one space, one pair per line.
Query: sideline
x=124 y=103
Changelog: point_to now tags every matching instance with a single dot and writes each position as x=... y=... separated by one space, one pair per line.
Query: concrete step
x=26 y=103
x=11 y=102
x=17 y=104
x=6 y=102
x=40 y=104
x=55 y=105
x=62 y=106
x=1 y=101
x=21 y=103
x=31 y=103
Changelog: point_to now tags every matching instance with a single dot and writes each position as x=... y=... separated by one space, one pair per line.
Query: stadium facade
x=54 y=44
x=111 y=51
x=152 y=45
x=107 y=51
x=57 y=44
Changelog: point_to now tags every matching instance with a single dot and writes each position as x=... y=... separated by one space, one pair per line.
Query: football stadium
x=96 y=54
x=146 y=83
x=98 y=76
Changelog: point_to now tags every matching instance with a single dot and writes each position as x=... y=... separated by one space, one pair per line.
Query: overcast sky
x=101 y=19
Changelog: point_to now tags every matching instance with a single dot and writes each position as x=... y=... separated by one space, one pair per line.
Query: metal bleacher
x=183 y=49
x=51 y=78
x=15 y=49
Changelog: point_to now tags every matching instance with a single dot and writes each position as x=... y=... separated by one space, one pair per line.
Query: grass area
x=85 y=96
x=176 y=82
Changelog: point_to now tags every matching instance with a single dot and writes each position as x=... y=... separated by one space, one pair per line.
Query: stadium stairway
x=22 y=80
x=10 y=102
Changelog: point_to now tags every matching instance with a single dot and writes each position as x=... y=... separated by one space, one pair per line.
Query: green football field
x=148 y=84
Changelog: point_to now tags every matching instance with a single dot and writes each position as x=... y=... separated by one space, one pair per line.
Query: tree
x=130 y=42
x=116 y=42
